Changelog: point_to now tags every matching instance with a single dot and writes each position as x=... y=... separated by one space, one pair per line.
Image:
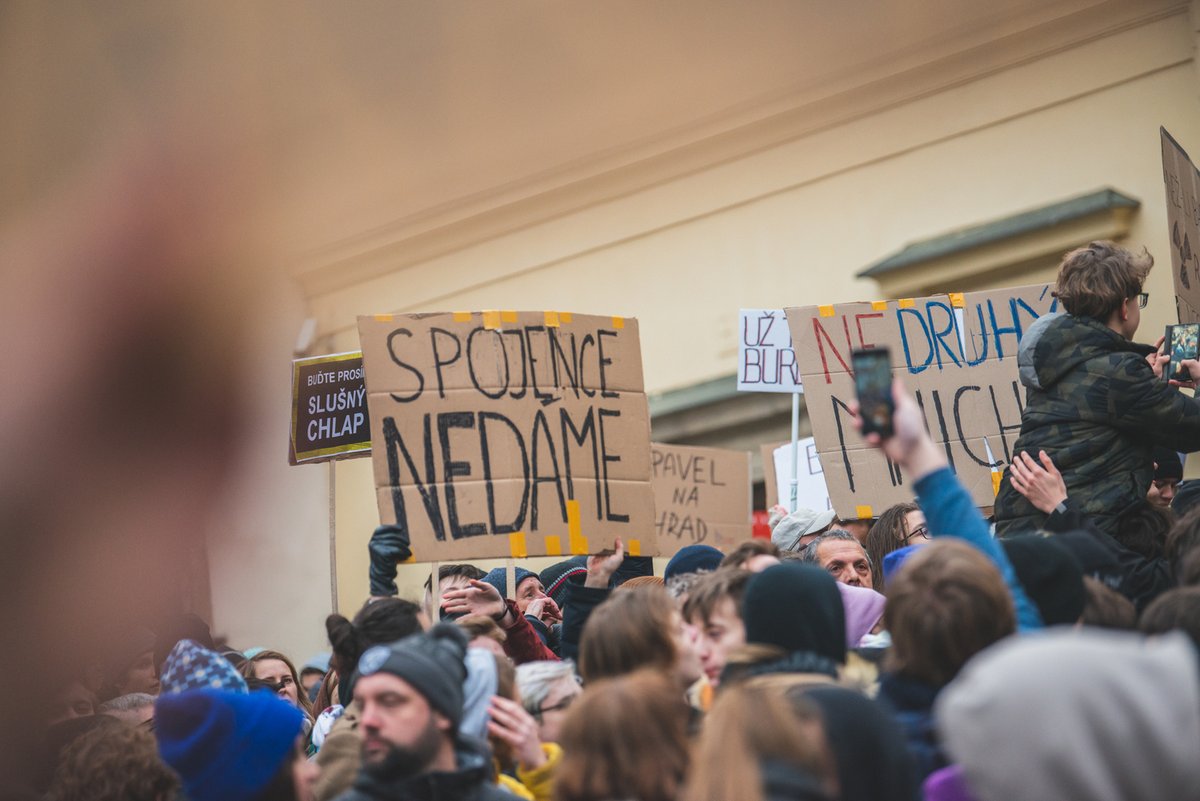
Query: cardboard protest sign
x=958 y=355
x=509 y=433
x=1183 y=219
x=701 y=496
x=329 y=409
x=766 y=361
x=811 y=491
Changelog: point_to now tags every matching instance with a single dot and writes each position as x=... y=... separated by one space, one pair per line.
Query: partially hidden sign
x=701 y=496
x=502 y=434
x=1183 y=219
x=811 y=491
x=329 y=409
x=957 y=353
x=766 y=361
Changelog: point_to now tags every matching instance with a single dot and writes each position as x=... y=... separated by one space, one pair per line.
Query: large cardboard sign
x=503 y=434
x=957 y=353
x=329 y=409
x=1183 y=219
x=701 y=496
x=766 y=360
x=811 y=490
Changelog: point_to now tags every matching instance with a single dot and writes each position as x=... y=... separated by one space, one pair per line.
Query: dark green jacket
x=1093 y=404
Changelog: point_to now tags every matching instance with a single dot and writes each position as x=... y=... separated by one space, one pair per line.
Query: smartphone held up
x=1180 y=342
x=873 y=386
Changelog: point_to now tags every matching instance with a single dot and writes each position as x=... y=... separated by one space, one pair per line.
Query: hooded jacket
x=471 y=782
x=1094 y=405
x=1083 y=715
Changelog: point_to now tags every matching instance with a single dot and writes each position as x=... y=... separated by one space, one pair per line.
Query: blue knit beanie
x=895 y=560
x=693 y=559
x=225 y=746
x=496 y=578
x=190 y=666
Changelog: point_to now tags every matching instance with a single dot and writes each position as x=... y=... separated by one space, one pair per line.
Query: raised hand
x=600 y=568
x=478 y=598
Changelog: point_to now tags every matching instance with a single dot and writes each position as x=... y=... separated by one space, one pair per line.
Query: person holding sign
x=1094 y=400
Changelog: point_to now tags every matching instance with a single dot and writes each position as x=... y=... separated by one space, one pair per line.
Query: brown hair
x=1143 y=529
x=711 y=589
x=630 y=630
x=642 y=581
x=1188 y=573
x=247 y=670
x=1174 y=609
x=113 y=762
x=946 y=604
x=885 y=536
x=482 y=626
x=749 y=549
x=1106 y=608
x=1094 y=281
x=506 y=687
x=1182 y=539
x=625 y=738
x=749 y=724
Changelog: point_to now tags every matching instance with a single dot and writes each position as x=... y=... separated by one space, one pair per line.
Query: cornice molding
x=724 y=137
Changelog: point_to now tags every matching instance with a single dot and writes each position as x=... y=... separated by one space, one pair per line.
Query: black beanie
x=796 y=607
x=1051 y=575
x=431 y=662
x=1168 y=464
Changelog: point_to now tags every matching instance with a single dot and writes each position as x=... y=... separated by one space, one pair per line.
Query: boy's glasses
x=1142 y=299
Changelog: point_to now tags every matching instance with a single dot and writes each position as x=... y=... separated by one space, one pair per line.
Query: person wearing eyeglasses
x=547 y=690
x=899 y=526
x=1095 y=401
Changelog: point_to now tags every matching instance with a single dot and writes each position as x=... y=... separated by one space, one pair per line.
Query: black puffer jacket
x=1094 y=405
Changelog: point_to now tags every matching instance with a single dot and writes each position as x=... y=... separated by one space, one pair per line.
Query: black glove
x=388 y=545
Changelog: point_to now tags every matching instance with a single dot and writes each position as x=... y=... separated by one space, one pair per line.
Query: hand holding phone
x=873 y=386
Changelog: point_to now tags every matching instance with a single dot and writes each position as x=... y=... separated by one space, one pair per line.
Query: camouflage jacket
x=1093 y=404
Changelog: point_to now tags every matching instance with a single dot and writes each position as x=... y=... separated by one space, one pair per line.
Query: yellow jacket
x=536 y=784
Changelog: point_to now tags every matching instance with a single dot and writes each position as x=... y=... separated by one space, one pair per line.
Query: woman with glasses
x=899 y=526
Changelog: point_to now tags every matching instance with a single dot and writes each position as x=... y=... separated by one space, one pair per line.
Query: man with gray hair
x=792 y=531
x=842 y=555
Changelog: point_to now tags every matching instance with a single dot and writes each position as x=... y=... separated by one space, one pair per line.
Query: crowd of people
x=1049 y=653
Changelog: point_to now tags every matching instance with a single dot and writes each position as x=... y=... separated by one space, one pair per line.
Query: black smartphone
x=1181 y=343
x=873 y=386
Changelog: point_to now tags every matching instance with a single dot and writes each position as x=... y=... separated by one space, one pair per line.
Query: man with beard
x=411 y=697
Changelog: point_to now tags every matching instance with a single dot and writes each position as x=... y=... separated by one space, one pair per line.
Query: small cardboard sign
x=329 y=409
x=811 y=491
x=509 y=434
x=1183 y=221
x=956 y=353
x=701 y=496
x=766 y=361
